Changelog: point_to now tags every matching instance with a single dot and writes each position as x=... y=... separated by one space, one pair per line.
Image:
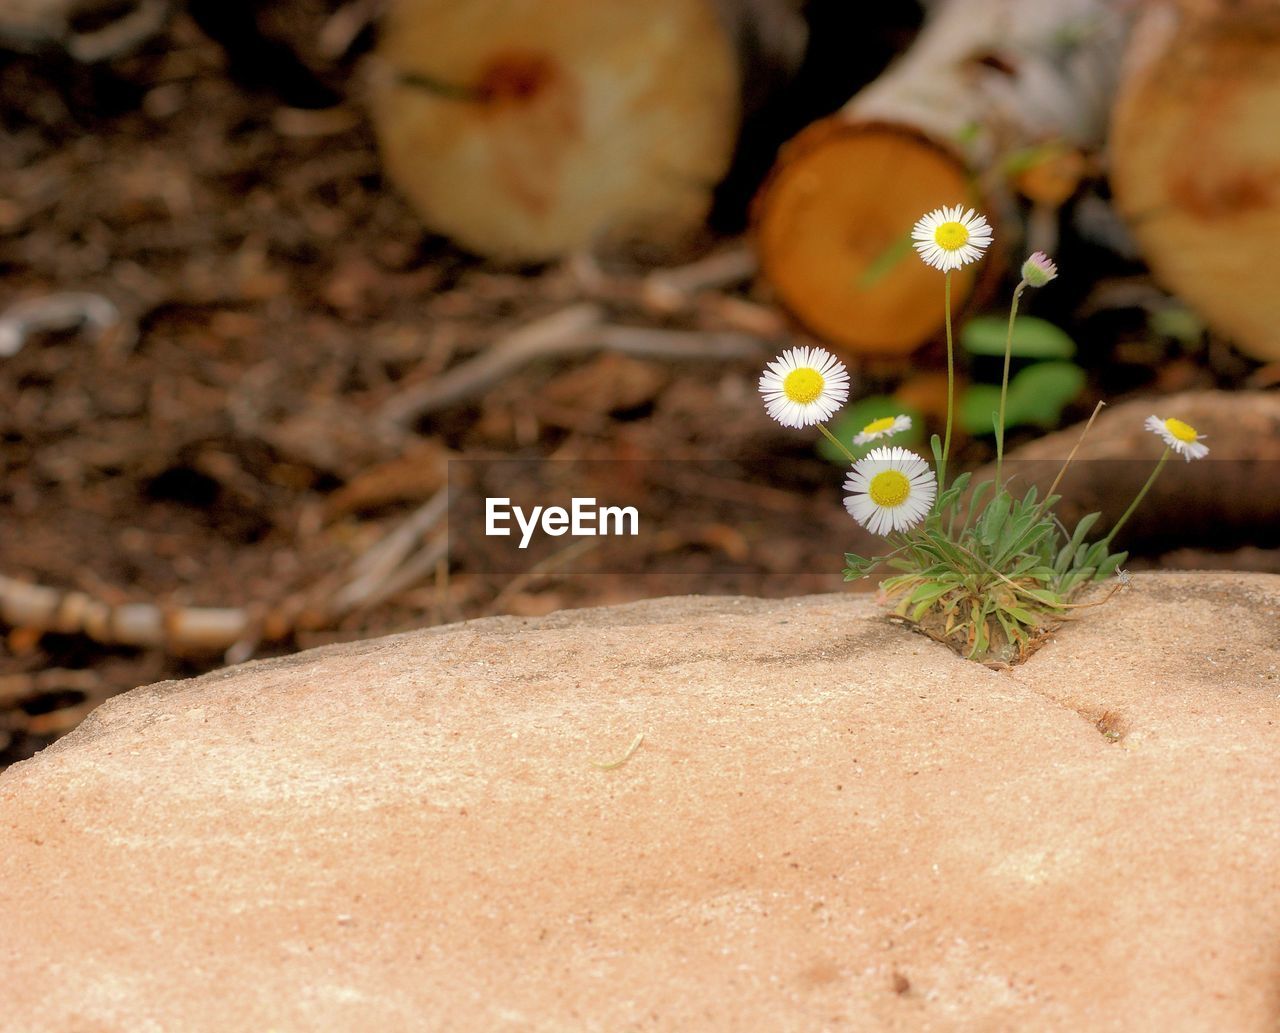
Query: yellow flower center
x=876 y=426
x=803 y=385
x=951 y=236
x=1181 y=431
x=889 y=488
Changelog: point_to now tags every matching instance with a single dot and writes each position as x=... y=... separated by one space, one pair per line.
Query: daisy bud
x=1039 y=269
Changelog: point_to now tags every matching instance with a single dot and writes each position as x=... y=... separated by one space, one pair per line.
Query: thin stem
x=951 y=389
x=879 y=561
x=613 y=765
x=1004 y=381
x=837 y=442
x=1139 y=497
x=1070 y=456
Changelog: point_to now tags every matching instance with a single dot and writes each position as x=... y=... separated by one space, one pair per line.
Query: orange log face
x=533 y=112
x=841 y=198
x=1196 y=169
x=527 y=128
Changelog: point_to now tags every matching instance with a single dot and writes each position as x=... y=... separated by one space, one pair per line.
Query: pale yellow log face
x=559 y=121
x=1196 y=172
x=833 y=208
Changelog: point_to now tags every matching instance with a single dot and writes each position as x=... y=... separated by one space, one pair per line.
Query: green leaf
x=1177 y=322
x=1037 y=396
x=1108 y=566
x=977 y=403
x=1042 y=595
x=925 y=596
x=883 y=264
x=1011 y=630
x=1032 y=338
x=1039 y=393
x=1019 y=613
x=857 y=566
x=954 y=490
x=980 y=638
x=993 y=517
x=975 y=499
x=1068 y=551
x=1095 y=554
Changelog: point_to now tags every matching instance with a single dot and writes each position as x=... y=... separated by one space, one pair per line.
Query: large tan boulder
x=831 y=823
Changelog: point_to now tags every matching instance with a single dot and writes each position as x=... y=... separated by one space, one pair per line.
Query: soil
x=214 y=440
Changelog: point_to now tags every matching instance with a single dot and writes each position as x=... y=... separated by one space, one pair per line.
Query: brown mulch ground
x=219 y=445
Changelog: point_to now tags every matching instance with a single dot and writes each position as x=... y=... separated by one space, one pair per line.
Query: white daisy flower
x=951 y=237
x=885 y=427
x=804 y=386
x=890 y=489
x=1179 y=436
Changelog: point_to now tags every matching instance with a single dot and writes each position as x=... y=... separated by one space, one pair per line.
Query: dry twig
x=47 y=609
x=391 y=565
x=67 y=310
x=570 y=331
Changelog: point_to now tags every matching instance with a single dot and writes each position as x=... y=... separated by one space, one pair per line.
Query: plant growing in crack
x=983 y=570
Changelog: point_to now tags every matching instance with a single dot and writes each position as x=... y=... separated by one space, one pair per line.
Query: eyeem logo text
x=583 y=518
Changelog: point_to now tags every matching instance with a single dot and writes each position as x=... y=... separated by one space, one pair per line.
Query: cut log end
x=833 y=227
x=524 y=134
x=983 y=81
x=1196 y=162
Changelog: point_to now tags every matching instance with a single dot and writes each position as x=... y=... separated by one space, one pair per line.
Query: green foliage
x=1032 y=338
x=988 y=572
x=1179 y=324
x=849 y=424
x=885 y=262
x=1037 y=396
x=985 y=571
x=1038 y=393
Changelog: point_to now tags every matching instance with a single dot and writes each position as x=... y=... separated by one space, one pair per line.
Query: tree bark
x=526 y=128
x=1195 y=154
x=987 y=88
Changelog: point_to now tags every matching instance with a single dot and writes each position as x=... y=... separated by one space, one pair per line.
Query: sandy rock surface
x=831 y=823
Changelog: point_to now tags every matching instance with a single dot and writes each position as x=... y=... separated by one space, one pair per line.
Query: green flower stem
x=1004 y=380
x=837 y=442
x=1139 y=497
x=951 y=390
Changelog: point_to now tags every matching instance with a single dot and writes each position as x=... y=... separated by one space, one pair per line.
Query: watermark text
x=584 y=518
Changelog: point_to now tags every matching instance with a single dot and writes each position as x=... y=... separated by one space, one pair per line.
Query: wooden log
x=524 y=129
x=986 y=84
x=1195 y=158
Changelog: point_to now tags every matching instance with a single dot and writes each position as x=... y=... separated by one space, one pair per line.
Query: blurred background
x=276 y=274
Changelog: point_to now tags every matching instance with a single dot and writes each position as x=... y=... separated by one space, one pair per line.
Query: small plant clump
x=979 y=568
